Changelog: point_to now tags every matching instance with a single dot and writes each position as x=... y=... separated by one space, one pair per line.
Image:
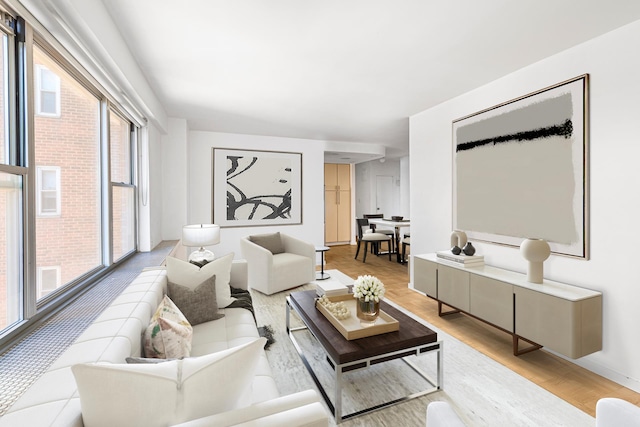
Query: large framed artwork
x=256 y=188
x=520 y=170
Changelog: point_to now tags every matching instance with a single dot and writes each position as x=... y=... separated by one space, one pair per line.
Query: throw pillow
x=169 y=333
x=198 y=305
x=271 y=242
x=186 y=274
x=167 y=393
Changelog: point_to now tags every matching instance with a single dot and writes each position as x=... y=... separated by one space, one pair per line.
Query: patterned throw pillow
x=169 y=333
x=198 y=305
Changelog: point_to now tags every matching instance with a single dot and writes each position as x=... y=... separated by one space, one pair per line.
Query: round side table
x=321 y=275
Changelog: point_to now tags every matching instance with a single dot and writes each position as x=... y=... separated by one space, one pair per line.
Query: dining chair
x=406 y=241
x=369 y=236
x=381 y=230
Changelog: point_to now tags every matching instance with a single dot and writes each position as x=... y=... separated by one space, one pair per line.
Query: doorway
x=384 y=195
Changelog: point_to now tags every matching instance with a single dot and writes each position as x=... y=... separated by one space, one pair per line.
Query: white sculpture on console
x=536 y=251
x=458 y=240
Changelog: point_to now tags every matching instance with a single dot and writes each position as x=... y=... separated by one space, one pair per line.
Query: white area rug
x=482 y=391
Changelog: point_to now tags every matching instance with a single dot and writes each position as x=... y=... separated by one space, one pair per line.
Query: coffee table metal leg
x=288 y=311
x=441 y=367
x=338 y=405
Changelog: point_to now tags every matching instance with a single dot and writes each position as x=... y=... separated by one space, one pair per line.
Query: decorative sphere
x=456 y=250
x=535 y=250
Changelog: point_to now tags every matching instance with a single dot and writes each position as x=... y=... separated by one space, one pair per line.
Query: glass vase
x=367 y=311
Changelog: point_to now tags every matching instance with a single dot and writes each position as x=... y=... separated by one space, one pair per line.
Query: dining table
x=396 y=225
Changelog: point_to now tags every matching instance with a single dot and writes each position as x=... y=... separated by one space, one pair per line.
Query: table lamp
x=201 y=235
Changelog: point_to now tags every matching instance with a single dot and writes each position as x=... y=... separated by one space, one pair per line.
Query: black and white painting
x=256 y=188
x=520 y=170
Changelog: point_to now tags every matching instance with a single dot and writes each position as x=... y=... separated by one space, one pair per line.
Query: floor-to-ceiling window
x=67 y=162
x=67 y=176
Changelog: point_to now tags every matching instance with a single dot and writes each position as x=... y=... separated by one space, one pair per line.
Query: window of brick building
x=47 y=92
x=48 y=190
x=48 y=280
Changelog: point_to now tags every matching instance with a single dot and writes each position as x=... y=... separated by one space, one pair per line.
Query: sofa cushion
x=199 y=305
x=272 y=242
x=167 y=393
x=186 y=274
x=169 y=333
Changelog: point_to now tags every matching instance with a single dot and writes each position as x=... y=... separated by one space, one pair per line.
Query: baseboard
x=603 y=371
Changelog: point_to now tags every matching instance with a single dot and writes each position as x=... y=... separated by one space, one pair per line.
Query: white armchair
x=277 y=262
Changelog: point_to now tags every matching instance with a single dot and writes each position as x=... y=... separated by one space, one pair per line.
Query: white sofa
x=53 y=399
x=294 y=264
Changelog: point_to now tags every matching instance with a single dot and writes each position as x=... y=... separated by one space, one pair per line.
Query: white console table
x=564 y=318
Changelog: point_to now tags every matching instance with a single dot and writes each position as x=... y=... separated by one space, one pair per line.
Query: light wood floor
x=576 y=385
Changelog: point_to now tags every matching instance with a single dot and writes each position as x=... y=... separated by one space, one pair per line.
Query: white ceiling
x=342 y=70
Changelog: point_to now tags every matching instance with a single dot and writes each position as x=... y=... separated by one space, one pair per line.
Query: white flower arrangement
x=369 y=288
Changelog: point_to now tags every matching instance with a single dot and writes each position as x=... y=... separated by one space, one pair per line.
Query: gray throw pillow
x=198 y=305
x=271 y=242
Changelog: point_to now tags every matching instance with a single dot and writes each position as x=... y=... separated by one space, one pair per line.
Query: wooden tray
x=350 y=328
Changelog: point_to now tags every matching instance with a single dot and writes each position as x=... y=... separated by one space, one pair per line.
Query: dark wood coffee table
x=412 y=338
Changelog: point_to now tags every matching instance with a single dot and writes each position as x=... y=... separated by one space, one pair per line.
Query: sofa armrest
x=298 y=409
x=299 y=247
x=239 y=274
x=179 y=251
x=259 y=263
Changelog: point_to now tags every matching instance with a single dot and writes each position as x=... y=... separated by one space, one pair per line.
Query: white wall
x=614 y=67
x=200 y=179
x=366 y=174
x=175 y=180
x=155 y=187
x=405 y=187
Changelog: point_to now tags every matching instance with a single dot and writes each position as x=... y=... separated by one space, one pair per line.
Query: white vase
x=536 y=251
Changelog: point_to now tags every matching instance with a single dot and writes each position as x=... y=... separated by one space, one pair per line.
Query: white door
x=384 y=196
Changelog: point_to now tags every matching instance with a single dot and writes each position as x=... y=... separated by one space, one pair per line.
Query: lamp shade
x=198 y=235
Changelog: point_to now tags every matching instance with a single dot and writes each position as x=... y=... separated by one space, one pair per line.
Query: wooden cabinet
x=453 y=287
x=564 y=318
x=337 y=203
x=425 y=277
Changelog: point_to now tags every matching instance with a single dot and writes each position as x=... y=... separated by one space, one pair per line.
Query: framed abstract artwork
x=252 y=187
x=520 y=170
